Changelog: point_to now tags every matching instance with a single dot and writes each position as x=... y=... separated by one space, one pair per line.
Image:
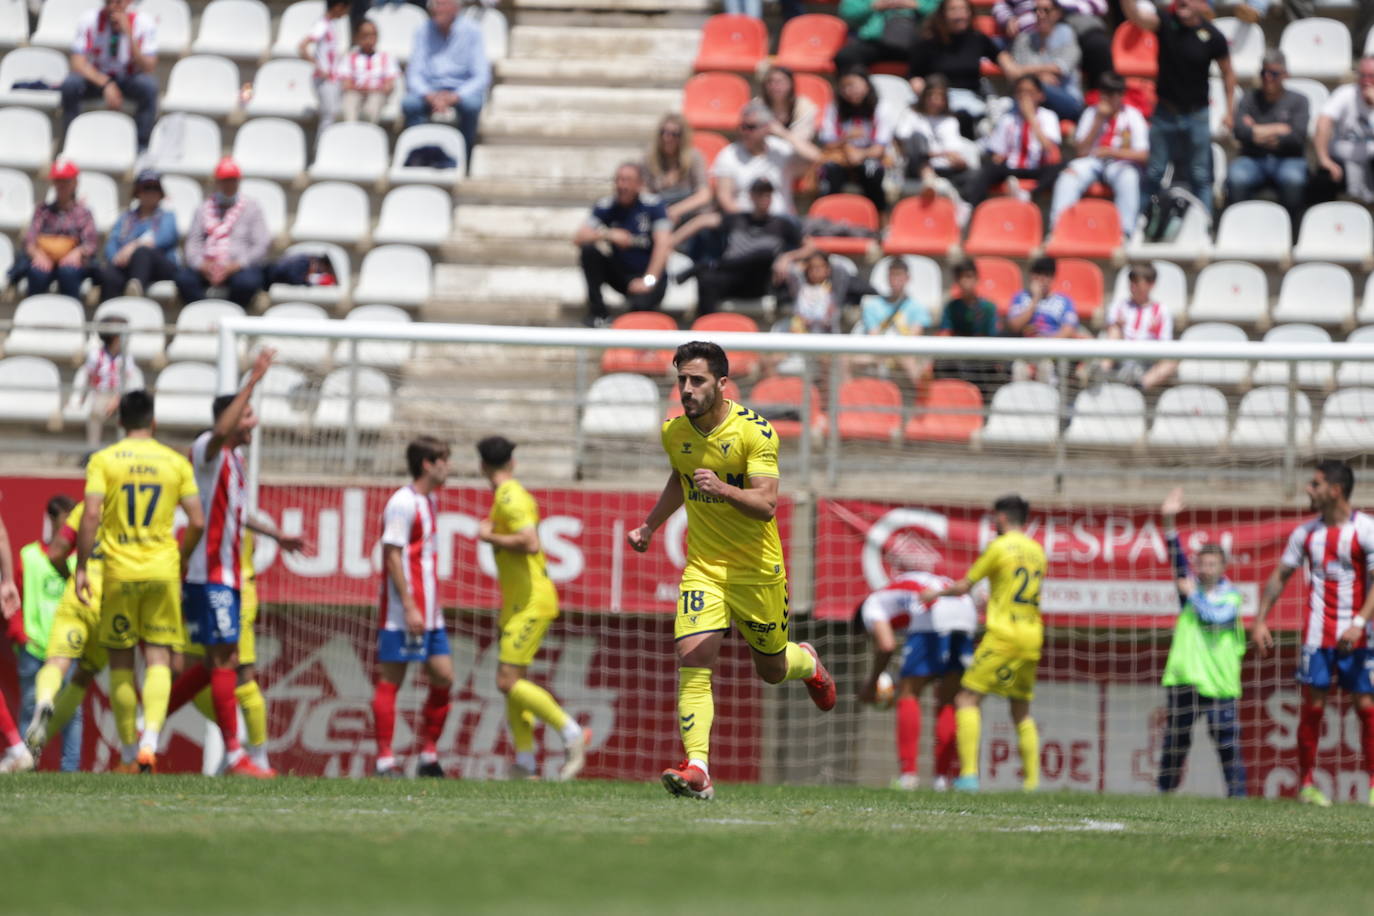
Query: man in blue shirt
x=448 y=75
x=625 y=245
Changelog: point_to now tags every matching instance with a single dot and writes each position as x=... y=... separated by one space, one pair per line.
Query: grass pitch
x=185 y=844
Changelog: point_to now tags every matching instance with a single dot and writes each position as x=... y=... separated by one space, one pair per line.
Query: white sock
x=234 y=756
x=429 y=757
x=258 y=754
x=14 y=749
x=127 y=753
x=700 y=764
x=149 y=740
x=525 y=759
x=572 y=732
x=385 y=763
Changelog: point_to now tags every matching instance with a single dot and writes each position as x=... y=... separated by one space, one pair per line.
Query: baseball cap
x=63 y=168
x=227 y=168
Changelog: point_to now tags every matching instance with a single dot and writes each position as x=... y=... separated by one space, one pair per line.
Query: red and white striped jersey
x=223 y=485
x=1150 y=321
x=408 y=523
x=326 y=48
x=898 y=603
x=367 y=72
x=1339 y=560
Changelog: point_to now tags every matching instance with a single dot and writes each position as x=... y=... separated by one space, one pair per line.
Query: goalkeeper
x=1202 y=674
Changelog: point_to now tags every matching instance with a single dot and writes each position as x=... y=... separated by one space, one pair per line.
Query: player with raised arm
x=133 y=489
x=411 y=628
x=1337 y=547
x=1006 y=659
x=724 y=460
x=529 y=603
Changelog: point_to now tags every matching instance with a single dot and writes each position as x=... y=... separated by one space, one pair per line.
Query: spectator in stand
x=448 y=74
x=1344 y=142
x=1138 y=317
x=61 y=241
x=1271 y=127
x=968 y=314
x=939 y=160
x=106 y=374
x=895 y=314
x=226 y=244
x=1039 y=312
x=950 y=45
x=321 y=47
x=787 y=9
x=141 y=249
x=625 y=244
x=1024 y=144
x=855 y=133
x=880 y=30
x=760 y=249
x=1113 y=143
x=765 y=149
x=1180 y=132
x=366 y=76
x=675 y=170
x=1087 y=19
x=1050 y=51
x=779 y=93
x=114 y=56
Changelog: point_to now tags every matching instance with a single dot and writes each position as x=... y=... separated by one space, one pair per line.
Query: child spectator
x=968 y=314
x=894 y=314
x=321 y=47
x=105 y=375
x=1024 y=144
x=366 y=76
x=1113 y=143
x=1039 y=312
x=1138 y=317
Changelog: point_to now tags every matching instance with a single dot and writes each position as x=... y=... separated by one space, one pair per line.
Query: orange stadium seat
x=1135 y=52
x=731 y=392
x=711 y=101
x=1089 y=229
x=808 y=43
x=1082 y=282
x=950 y=411
x=922 y=225
x=854 y=209
x=742 y=363
x=732 y=43
x=1004 y=226
x=644 y=362
x=870 y=408
x=998 y=281
x=780 y=399
x=709 y=144
x=818 y=90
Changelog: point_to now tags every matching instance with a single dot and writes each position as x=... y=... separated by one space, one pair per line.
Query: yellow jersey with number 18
x=142 y=482
x=723 y=544
x=1014 y=566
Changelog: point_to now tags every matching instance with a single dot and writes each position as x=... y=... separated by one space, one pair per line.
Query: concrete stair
x=598 y=56
x=565 y=175
x=575 y=114
x=496 y=234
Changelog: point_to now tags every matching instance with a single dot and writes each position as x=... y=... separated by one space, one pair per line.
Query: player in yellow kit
x=529 y=603
x=1005 y=660
x=132 y=491
x=724 y=460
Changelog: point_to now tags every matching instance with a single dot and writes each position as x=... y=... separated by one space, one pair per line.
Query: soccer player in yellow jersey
x=132 y=491
x=1005 y=660
x=724 y=460
x=529 y=603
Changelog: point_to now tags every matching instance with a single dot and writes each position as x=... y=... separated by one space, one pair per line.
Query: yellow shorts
x=248 y=641
x=74 y=627
x=1002 y=668
x=147 y=611
x=758 y=611
x=523 y=630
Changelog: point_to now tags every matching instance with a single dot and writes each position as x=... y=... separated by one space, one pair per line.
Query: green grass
x=182 y=844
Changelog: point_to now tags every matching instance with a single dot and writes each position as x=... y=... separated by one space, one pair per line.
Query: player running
x=412 y=623
x=937 y=649
x=529 y=603
x=724 y=460
x=132 y=491
x=1338 y=549
x=1005 y=661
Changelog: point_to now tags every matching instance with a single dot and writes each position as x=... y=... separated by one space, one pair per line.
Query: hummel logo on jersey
x=689 y=722
x=686 y=448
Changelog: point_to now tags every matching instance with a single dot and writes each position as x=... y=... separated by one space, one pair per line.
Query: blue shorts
x=400 y=646
x=930 y=654
x=211 y=613
x=1353 y=670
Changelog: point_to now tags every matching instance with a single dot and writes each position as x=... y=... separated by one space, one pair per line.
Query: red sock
x=908 y=732
x=433 y=714
x=7 y=725
x=384 y=716
x=192 y=681
x=1366 y=714
x=223 y=682
x=1309 y=733
x=946 y=743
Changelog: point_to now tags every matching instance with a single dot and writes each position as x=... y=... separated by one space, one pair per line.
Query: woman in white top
x=779 y=93
x=938 y=158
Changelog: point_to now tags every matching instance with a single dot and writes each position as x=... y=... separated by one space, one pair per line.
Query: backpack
x=1165 y=212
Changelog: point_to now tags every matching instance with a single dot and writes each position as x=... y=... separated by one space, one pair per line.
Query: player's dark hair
x=1216 y=549
x=715 y=357
x=220 y=404
x=59 y=505
x=422 y=449
x=1016 y=509
x=1043 y=267
x=495 y=451
x=136 y=410
x=1338 y=472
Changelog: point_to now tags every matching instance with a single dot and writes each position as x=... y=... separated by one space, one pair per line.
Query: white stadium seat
x=271 y=198
x=1107 y=416
x=495 y=30
x=1023 y=413
x=1193 y=244
x=147 y=339
x=185 y=144
x=296 y=22
x=415 y=215
x=320 y=295
x=14 y=23
x=332 y=211
x=184 y=394
x=102 y=140
x=299 y=351
x=621 y=404
x=30 y=390
x=1228 y=372
x=6 y=260
x=16 y=200
x=173 y=18
x=1317 y=48
x=1338 y=231
x=1170 y=291
x=1246 y=41
x=1357 y=372
x=395 y=274
x=28 y=138
x=1316 y=93
x=1230 y=291
x=385 y=354
x=1366 y=313
x=101 y=195
x=1189 y=416
x=396 y=25
x=204 y=84
x=57 y=20
x=893 y=91
x=196 y=329
x=370 y=390
x=184 y=197
x=1262 y=420
x=283 y=89
x=925 y=285
x=284 y=394
x=1347 y=421
x=47 y=325
x=1311 y=373
x=1216 y=99
x=440 y=135
x=240 y=29
x=351 y=151
x=1318 y=293
x=26 y=65
x=270 y=148
x=1254 y=230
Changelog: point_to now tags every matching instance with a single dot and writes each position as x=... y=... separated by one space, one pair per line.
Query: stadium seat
x=283 y=394
x=384 y=354
x=203 y=84
x=1246 y=41
x=184 y=197
x=780 y=399
x=951 y=410
x=299 y=351
x=1229 y=373
x=271 y=199
x=1357 y=371
x=709 y=144
x=1364 y=316
x=57 y=21
x=743 y=363
x=1316 y=93
x=808 y=43
x=1231 y=291
x=1317 y=48
x=103 y=141
x=1190 y=416
x=1254 y=230
x=1338 y=231
x=270 y=148
x=351 y=151
x=712 y=101
x=6 y=260
x=366 y=387
x=415 y=215
x=48 y=325
x=1193 y=245
x=1171 y=288
x=24 y=65
x=1347 y=423
x=1107 y=416
x=495 y=30
x=196 y=334
x=30 y=390
x=441 y=135
x=1022 y=413
x=147 y=339
x=921 y=225
x=396 y=26
x=99 y=193
x=1216 y=108
x=295 y=23
x=320 y=295
x=173 y=18
x=851 y=209
x=1004 y=226
x=925 y=285
x=894 y=92
x=1318 y=293
x=1082 y=282
x=28 y=138
x=395 y=274
x=818 y=90
x=332 y=211
x=16 y=200
x=1262 y=420
x=870 y=409
x=283 y=89
x=184 y=392
x=999 y=280
x=732 y=43
x=1135 y=52
x=643 y=362
x=186 y=144
x=240 y=29
x=1312 y=373
x=1090 y=228
x=14 y=23
x=731 y=392
x=621 y=404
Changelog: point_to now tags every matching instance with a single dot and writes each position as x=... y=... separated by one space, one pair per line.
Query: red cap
x=227 y=168
x=63 y=168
